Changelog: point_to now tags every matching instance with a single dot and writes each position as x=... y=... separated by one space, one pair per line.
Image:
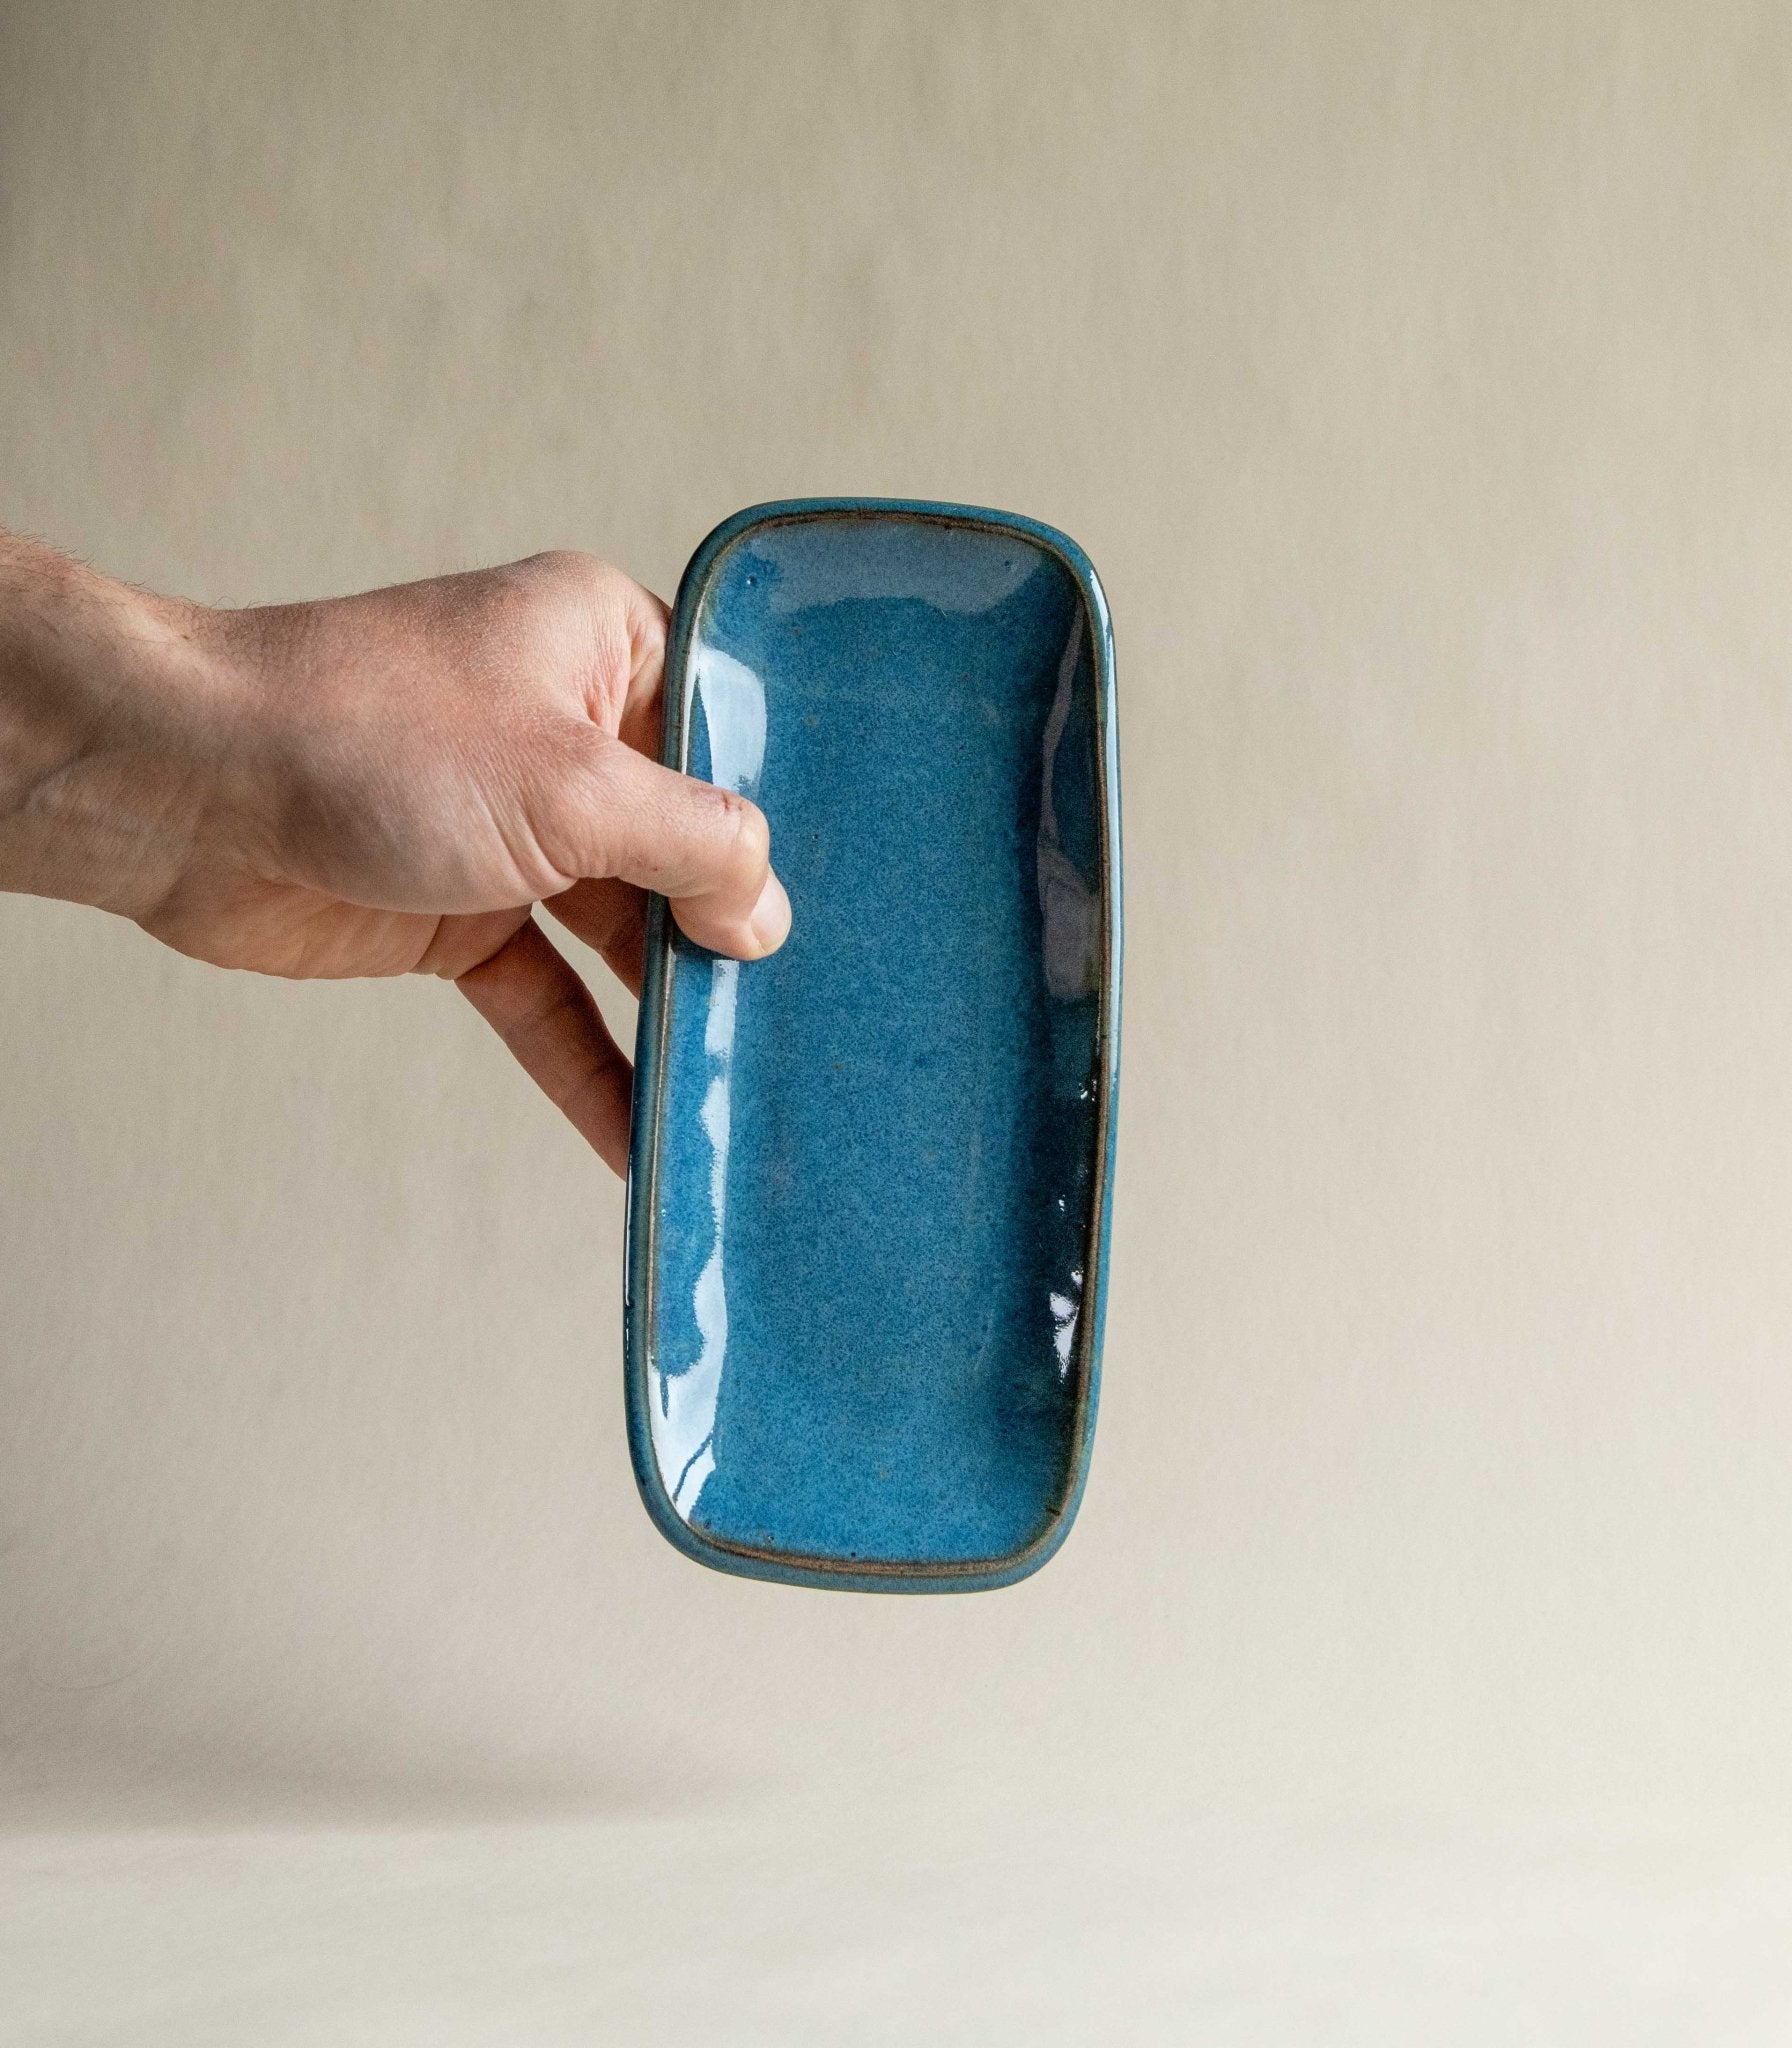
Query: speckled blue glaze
x=871 y=1176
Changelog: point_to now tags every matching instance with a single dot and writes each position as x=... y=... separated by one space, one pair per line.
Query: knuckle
x=611 y=628
x=647 y=623
x=750 y=841
x=554 y=593
x=508 y=607
x=571 y=566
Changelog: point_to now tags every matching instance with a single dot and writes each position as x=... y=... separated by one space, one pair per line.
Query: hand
x=383 y=784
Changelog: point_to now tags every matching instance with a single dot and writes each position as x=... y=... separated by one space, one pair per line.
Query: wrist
x=115 y=711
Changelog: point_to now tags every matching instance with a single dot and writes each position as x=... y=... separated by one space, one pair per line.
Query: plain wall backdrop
x=1417 y=377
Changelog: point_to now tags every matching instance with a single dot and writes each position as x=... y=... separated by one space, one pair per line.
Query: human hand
x=380 y=784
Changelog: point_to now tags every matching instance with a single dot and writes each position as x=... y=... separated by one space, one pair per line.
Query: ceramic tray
x=870 y=1181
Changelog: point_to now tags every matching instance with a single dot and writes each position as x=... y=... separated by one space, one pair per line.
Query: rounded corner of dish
x=722 y=538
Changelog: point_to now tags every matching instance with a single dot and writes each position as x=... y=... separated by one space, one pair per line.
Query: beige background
x=1418 y=376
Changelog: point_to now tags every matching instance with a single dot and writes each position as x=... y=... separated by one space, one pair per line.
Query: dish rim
x=654 y=1025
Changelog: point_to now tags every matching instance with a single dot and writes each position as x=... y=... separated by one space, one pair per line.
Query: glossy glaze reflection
x=870 y=1178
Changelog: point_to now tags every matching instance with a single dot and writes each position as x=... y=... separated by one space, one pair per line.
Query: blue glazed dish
x=871 y=1176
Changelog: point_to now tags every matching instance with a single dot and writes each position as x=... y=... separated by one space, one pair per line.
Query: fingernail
x=770 y=922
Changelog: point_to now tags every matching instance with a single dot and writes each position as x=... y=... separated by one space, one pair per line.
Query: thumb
x=707 y=850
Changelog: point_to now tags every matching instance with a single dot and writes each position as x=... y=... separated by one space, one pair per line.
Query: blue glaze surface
x=871 y=1175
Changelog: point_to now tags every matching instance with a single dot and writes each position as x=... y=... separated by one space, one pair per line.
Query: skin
x=372 y=785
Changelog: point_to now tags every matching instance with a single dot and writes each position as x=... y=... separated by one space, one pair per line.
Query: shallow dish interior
x=875 y=1158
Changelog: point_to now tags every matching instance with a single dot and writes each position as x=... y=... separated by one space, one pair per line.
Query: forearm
x=113 y=717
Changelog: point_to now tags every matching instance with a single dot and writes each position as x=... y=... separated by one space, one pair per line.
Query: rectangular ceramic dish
x=870 y=1180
